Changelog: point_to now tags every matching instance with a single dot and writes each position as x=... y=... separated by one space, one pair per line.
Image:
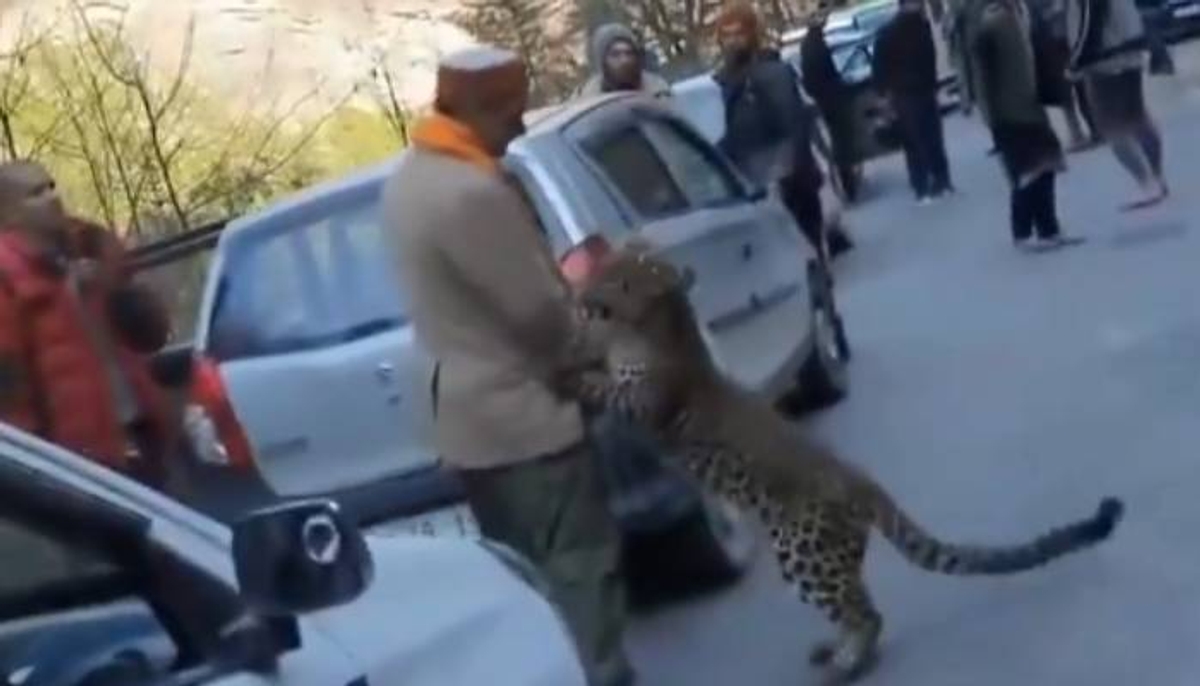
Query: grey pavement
x=996 y=394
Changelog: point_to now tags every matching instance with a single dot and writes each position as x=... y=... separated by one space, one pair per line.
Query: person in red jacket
x=75 y=333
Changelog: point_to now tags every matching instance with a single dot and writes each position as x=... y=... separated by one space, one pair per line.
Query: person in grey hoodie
x=618 y=62
x=1108 y=51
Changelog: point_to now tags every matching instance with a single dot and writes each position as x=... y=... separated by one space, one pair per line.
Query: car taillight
x=582 y=261
x=209 y=395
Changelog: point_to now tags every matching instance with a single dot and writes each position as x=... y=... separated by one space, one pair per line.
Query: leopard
x=818 y=509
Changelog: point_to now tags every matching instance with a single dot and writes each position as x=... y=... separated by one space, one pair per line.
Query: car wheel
x=823 y=379
x=709 y=549
x=825 y=295
x=722 y=544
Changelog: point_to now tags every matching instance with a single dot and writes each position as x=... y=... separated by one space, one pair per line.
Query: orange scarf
x=445 y=135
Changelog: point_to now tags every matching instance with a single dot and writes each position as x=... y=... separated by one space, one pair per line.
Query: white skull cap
x=478 y=58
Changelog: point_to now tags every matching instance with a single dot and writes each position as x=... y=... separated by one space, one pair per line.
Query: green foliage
x=354 y=137
x=153 y=152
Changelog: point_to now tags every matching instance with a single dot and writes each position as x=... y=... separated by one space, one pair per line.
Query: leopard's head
x=633 y=287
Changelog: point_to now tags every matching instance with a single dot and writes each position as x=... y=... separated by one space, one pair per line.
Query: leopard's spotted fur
x=818 y=510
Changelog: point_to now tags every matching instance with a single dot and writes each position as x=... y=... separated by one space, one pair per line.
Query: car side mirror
x=299 y=557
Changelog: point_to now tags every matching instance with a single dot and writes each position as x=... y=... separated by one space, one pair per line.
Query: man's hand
x=569 y=383
x=86 y=271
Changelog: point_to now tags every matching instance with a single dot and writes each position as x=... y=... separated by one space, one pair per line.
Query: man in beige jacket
x=488 y=302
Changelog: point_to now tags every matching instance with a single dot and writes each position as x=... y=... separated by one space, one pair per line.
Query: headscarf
x=740 y=14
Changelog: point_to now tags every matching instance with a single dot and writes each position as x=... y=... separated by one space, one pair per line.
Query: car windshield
x=870 y=21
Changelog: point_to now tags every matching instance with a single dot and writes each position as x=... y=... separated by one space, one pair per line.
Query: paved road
x=997 y=393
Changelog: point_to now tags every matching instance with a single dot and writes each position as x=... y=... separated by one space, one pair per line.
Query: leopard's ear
x=687 y=279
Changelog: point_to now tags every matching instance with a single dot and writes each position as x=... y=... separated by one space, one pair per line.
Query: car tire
x=823 y=380
x=710 y=549
x=721 y=542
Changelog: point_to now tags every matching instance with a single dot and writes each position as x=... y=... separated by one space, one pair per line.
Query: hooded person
x=488 y=302
x=618 y=62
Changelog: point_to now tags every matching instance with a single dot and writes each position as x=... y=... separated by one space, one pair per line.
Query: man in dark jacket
x=768 y=129
x=825 y=86
x=905 y=67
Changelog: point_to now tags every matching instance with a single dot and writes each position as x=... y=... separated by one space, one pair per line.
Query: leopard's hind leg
x=821 y=547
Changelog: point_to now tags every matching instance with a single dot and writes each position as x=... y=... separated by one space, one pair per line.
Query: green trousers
x=554 y=511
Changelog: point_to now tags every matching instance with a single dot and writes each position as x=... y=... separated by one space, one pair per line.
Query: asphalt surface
x=996 y=394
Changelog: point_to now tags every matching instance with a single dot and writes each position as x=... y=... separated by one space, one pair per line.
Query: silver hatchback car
x=305 y=332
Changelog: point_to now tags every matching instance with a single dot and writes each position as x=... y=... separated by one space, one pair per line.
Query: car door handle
x=385 y=372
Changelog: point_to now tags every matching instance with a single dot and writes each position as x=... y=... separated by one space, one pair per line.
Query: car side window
x=36 y=564
x=697 y=170
x=629 y=162
x=328 y=280
x=64 y=607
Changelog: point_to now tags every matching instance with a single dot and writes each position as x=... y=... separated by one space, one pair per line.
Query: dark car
x=853 y=51
x=1177 y=19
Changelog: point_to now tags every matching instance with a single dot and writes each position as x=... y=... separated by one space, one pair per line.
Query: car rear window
x=704 y=181
x=633 y=167
x=320 y=280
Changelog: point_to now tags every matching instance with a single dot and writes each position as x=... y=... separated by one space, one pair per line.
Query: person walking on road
x=905 y=67
x=1157 y=17
x=488 y=302
x=825 y=86
x=1052 y=56
x=619 y=64
x=769 y=132
x=1003 y=59
x=1108 y=51
x=75 y=332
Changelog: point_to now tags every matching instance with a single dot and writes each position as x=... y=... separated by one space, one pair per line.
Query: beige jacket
x=487 y=301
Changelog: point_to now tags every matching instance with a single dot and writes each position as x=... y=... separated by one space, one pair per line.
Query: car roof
x=540 y=122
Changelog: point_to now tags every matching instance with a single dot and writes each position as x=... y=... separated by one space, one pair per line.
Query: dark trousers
x=1156 y=23
x=1033 y=209
x=1085 y=108
x=554 y=511
x=838 y=114
x=920 y=123
x=805 y=206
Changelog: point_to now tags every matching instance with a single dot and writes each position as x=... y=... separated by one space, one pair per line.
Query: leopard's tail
x=928 y=553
